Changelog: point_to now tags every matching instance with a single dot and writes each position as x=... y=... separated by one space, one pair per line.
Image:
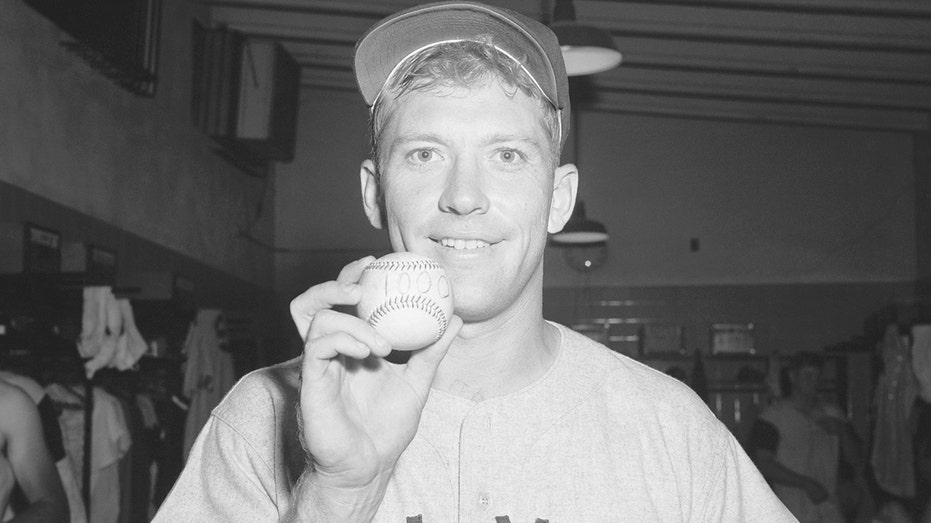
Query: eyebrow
x=404 y=139
x=490 y=140
x=416 y=137
x=498 y=138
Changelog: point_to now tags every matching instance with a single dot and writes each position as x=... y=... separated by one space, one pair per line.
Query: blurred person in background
x=25 y=463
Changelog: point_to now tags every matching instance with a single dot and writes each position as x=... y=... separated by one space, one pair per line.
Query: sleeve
x=763 y=436
x=224 y=479
x=739 y=493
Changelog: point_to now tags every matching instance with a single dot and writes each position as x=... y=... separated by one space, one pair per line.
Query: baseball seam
x=402 y=265
x=408 y=301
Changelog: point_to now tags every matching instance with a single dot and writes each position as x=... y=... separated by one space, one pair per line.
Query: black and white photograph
x=465 y=261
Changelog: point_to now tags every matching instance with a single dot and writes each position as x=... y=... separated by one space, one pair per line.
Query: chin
x=473 y=305
x=482 y=305
x=472 y=316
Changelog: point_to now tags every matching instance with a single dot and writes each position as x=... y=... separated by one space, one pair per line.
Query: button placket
x=478 y=450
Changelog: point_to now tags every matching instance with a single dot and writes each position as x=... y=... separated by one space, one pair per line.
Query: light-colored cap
x=533 y=45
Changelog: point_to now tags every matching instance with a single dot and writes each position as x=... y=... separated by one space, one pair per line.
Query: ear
x=565 y=188
x=371 y=193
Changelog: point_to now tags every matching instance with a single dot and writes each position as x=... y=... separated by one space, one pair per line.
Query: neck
x=495 y=358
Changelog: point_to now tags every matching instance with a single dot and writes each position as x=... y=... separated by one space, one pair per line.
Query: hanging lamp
x=586 y=49
x=579 y=230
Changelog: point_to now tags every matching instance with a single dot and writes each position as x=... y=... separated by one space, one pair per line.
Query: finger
x=321 y=378
x=328 y=322
x=321 y=297
x=336 y=351
x=329 y=347
x=422 y=365
x=343 y=291
x=353 y=271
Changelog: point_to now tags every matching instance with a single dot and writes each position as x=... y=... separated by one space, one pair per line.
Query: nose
x=465 y=191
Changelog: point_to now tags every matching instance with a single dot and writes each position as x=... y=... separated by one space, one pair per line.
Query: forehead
x=487 y=107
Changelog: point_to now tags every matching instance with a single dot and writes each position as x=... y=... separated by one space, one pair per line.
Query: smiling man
x=508 y=417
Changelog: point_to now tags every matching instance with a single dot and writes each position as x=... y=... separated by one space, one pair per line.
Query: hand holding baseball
x=359 y=412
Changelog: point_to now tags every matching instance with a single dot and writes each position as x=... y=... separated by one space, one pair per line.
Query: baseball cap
x=533 y=45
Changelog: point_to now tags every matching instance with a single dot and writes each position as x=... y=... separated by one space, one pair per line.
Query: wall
x=923 y=209
x=141 y=264
x=319 y=222
x=73 y=137
x=803 y=232
x=768 y=203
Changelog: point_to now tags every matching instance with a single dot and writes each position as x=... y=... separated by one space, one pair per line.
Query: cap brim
x=392 y=40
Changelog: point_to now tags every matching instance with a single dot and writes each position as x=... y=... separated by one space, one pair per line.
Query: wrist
x=316 y=499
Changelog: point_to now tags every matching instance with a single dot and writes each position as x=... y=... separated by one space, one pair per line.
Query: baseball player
x=508 y=417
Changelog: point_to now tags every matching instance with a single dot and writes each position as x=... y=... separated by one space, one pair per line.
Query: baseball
x=407 y=298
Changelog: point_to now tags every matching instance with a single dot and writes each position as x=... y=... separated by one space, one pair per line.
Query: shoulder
x=630 y=392
x=627 y=379
x=16 y=407
x=247 y=456
x=655 y=419
x=11 y=395
x=262 y=393
x=29 y=385
x=261 y=410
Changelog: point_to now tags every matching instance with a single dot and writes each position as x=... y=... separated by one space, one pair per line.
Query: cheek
x=403 y=204
x=535 y=204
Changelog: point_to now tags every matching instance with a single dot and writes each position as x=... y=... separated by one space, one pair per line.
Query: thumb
x=422 y=365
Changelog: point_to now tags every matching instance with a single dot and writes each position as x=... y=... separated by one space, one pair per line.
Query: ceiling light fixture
x=585 y=49
x=579 y=230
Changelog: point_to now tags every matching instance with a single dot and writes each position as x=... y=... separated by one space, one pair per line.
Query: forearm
x=44 y=511
x=315 y=502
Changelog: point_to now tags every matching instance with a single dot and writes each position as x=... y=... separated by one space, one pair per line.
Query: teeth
x=460 y=244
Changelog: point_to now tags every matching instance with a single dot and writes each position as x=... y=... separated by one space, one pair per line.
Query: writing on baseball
x=407 y=298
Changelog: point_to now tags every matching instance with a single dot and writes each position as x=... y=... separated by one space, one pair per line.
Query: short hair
x=464 y=63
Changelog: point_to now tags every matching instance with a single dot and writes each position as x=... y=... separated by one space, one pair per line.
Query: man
x=507 y=417
x=799 y=443
x=51 y=431
x=25 y=462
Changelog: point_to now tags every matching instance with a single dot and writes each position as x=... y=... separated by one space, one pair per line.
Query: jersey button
x=484 y=500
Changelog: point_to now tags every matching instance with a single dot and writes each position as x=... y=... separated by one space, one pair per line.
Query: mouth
x=461 y=244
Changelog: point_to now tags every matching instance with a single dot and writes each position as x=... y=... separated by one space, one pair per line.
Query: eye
x=510 y=156
x=422 y=155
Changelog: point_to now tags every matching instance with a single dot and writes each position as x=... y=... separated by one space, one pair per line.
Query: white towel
x=114 y=327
